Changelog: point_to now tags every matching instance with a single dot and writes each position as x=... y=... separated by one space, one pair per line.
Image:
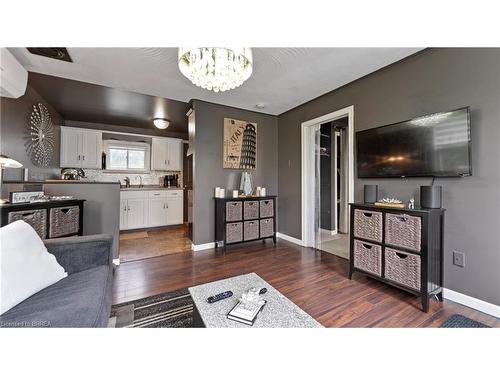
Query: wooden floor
x=314 y=280
x=153 y=243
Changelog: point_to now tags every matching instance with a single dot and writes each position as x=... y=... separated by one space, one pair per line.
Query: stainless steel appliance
x=171 y=180
x=72 y=173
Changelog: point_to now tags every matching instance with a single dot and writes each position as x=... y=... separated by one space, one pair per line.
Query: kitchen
x=115 y=149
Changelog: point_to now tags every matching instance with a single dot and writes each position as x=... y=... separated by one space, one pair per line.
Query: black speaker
x=371 y=193
x=430 y=196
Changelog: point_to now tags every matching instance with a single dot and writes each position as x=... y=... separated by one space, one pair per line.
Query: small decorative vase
x=246 y=183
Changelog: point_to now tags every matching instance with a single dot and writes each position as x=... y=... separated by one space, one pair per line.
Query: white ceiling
x=282 y=78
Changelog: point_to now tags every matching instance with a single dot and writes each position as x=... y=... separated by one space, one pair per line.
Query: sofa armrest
x=77 y=254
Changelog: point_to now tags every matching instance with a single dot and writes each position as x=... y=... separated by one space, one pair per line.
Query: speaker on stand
x=431 y=196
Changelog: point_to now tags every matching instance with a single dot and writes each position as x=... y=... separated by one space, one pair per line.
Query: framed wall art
x=240 y=144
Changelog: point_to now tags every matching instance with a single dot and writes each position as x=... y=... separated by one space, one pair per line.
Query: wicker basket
x=250 y=210
x=64 y=221
x=368 y=257
x=251 y=230
x=266 y=208
x=266 y=228
x=234 y=232
x=403 y=230
x=233 y=211
x=368 y=225
x=36 y=218
x=403 y=268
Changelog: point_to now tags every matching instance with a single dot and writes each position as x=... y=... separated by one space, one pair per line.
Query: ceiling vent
x=58 y=53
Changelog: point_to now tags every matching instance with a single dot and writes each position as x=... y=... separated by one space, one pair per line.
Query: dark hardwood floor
x=314 y=280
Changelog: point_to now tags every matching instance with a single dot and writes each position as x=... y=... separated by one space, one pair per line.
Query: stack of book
x=246 y=313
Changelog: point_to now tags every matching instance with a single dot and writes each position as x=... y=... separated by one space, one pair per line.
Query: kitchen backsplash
x=152 y=178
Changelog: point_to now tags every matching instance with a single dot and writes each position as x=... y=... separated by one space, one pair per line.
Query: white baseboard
x=330 y=232
x=294 y=240
x=472 y=302
x=203 y=246
x=116 y=261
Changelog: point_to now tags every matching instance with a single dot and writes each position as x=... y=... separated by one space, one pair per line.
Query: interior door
x=70 y=148
x=174 y=211
x=157 y=212
x=136 y=213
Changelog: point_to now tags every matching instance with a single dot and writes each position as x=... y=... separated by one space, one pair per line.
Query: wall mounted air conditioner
x=13 y=76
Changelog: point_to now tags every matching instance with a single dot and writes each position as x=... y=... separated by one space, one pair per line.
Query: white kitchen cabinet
x=175 y=214
x=157 y=209
x=80 y=148
x=134 y=210
x=166 y=154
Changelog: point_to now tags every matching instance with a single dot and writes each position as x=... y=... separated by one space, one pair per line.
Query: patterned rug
x=166 y=310
x=460 y=321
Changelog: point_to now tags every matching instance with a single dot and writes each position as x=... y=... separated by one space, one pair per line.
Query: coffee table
x=279 y=312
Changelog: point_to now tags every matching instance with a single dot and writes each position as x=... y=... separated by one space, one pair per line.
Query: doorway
x=327 y=181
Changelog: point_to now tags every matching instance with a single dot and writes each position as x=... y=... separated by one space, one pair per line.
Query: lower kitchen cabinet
x=153 y=208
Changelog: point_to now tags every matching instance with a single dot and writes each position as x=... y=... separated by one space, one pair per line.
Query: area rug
x=166 y=310
x=460 y=321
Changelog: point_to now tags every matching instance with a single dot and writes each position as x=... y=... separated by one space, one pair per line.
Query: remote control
x=219 y=296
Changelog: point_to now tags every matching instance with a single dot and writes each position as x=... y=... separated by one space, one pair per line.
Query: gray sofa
x=82 y=299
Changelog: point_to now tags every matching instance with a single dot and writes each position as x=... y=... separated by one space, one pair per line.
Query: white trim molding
x=472 y=302
x=307 y=167
x=329 y=232
x=203 y=246
x=285 y=237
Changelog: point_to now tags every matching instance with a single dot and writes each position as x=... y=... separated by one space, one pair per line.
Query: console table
x=50 y=219
x=400 y=247
x=245 y=219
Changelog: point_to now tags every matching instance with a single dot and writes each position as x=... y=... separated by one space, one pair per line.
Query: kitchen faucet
x=127 y=182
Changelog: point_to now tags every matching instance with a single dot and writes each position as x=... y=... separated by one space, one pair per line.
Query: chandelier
x=216 y=68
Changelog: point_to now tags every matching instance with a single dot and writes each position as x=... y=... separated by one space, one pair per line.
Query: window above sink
x=125 y=156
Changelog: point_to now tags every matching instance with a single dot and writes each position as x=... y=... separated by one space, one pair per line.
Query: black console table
x=50 y=219
x=398 y=246
x=245 y=219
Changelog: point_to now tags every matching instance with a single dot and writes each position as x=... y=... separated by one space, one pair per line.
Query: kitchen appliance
x=72 y=173
x=171 y=180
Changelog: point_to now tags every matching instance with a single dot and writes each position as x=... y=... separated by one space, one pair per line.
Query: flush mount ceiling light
x=216 y=68
x=161 y=123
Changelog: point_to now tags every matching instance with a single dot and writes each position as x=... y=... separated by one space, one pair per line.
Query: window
x=127 y=156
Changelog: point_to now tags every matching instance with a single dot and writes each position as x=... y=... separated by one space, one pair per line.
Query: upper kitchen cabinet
x=166 y=154
x=81 y=148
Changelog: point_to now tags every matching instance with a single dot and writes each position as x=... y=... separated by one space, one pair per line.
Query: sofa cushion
x=82 y=299
x=26 y=266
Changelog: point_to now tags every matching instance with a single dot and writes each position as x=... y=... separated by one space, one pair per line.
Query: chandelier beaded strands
x=216 y=68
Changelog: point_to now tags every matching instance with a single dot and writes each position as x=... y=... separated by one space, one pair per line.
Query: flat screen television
x=436 y=145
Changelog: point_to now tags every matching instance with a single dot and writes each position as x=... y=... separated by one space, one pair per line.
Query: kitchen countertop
x=83 y=181
x=148 y=187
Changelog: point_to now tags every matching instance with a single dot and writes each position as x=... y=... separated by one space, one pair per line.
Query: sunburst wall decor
x=41 y=136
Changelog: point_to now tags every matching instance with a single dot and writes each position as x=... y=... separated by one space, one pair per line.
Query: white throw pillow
x=26 y=266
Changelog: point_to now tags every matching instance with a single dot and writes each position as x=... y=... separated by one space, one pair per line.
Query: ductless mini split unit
x=13 y=76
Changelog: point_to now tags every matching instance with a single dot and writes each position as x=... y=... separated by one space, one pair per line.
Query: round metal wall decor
x=41 y=136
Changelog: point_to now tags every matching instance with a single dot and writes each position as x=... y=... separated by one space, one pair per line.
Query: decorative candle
x=235 y=193
x=217 y=192
x=257 y=191
x=222 y=193
x=263 y=192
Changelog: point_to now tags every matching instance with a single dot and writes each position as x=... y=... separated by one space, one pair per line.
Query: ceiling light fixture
x=161 y=123
x=216 y=68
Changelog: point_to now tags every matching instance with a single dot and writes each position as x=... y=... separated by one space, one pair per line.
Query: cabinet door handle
x=168 y=161
x=78 y=157
x=83 y=157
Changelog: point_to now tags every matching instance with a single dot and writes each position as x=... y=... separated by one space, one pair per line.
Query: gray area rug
x=166 y=310
x=460 y=321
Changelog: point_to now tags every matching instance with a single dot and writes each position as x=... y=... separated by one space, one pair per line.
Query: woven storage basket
x=251 y=230
x=234 y=232
x=250 y=210
x=233 y=211
x=266 y=228
x=64 y=221
x=368 y=225
x=36 y=218
x=368 y=257
x=403 y=230
x=403 y=268
x=266 y=208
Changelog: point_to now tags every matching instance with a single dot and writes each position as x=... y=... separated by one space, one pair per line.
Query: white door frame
x=308 y=160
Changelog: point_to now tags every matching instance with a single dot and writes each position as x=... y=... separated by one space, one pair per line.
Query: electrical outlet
x=458 y=259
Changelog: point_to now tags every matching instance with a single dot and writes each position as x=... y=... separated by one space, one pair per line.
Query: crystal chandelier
x=216 y=68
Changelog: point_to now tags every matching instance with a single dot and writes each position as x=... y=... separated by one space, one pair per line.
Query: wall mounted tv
x=432 y=145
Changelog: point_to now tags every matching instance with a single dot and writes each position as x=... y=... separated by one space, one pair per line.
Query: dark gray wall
x=14 y=117
x=208 y=172
x=435 y=80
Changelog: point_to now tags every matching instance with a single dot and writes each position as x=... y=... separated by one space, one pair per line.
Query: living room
x=264 y=187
